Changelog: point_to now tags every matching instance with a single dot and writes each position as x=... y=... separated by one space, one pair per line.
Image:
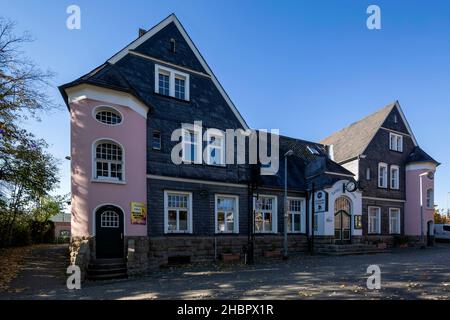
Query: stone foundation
x=82 y=251
x=137 y=255
x=210 y=249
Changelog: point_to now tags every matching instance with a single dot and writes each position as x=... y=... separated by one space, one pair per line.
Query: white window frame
x=198 y=144
x=397 y=213
x=429 y=200
x=160 y=139
x=218 y=134
x=172 y=75
x=106 y=108
x=94 y=162
x=395 y=142
x=235 y=214
x=378 y=229
x=166 y=211
x=301 y=213
x=274 y=213
x=385 y=176
x=394 y=183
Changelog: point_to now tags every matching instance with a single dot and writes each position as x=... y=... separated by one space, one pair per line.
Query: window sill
x=172 y=98
x=177 y=232
x=226 y=233
x=108 y=181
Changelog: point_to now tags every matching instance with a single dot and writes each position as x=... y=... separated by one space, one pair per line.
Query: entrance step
x=107 y=269
x=348 y=249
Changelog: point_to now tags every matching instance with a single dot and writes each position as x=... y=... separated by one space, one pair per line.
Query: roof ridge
x=388 y=106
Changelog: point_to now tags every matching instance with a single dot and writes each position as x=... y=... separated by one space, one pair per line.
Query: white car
x=442 y=232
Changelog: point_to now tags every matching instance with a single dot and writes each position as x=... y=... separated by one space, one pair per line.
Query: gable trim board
x=150 y=33
x=396 y=132
x=88 y=91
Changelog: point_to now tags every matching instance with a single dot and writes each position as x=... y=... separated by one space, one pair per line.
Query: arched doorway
x=342 y=220
x=109 y=232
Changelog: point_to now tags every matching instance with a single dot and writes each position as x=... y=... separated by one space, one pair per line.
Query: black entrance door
x=342 y=227
x=109 y=232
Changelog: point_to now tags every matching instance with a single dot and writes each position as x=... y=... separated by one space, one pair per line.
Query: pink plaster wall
x=88 y=195
x=412 y=205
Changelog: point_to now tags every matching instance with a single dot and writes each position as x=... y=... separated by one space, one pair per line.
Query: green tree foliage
x=28 y=173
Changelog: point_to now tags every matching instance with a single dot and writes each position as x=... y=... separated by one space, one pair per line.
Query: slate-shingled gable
x=351 y=141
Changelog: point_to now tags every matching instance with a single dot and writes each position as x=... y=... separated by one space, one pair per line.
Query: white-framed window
x=296 y=209
x=368 y=174
x=382 y=175
x=374 y=220
x=177 y=212
x=395 y=177
x=192 y=146
x=215 y=148
x=108 y=161
x=227 y=213
x=430 y=198
x=156 y=140
x=395 y=142
x=109 y=219
x=265 y=210
x=394 y=220
x=171 y=82
x=107 y=115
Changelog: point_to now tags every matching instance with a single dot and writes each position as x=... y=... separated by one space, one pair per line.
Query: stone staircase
x=107 y=269
x=348 y=249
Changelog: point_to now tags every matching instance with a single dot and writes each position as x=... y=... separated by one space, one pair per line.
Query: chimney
x=142 y=32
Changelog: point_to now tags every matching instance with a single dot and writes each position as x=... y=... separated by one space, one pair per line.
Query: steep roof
x=351 y=141
x=418 y=155
x=305 y=153
x=139 y=44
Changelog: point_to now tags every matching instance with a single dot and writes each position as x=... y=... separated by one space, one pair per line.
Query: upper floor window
x=395 y=142
x=382 y=175
x=430 y=198
x=192 y=146
x=215 y=147
x=172 y=83
x=156 y=140
x=108 y=161
x=395 y=179
x=368 y=174
x=108 y=115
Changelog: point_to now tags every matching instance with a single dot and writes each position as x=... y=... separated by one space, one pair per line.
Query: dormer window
x=395 y=142
x=171 y=83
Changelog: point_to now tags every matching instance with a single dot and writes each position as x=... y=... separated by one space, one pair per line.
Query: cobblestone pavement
x=405 y=274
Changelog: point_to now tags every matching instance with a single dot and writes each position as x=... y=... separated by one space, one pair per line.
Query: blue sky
x=308 y=68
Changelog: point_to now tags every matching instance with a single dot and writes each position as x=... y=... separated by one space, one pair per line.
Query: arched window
x=108 y=161
x=109 y=219
x=430 y=198
x=342 y=204
x=108 y=115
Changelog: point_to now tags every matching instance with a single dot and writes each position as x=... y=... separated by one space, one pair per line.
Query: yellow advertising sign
x=138 y=213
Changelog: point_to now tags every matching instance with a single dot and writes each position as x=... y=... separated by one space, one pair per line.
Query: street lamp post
x=286 y=155
x=448 y=208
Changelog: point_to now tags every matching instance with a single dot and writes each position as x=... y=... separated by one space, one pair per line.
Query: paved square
x=405 y=274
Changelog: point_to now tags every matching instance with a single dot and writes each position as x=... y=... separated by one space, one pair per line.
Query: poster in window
x=138 y=213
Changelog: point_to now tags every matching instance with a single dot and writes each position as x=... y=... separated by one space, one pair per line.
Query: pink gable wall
x=88 y=195
x=412 y=205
